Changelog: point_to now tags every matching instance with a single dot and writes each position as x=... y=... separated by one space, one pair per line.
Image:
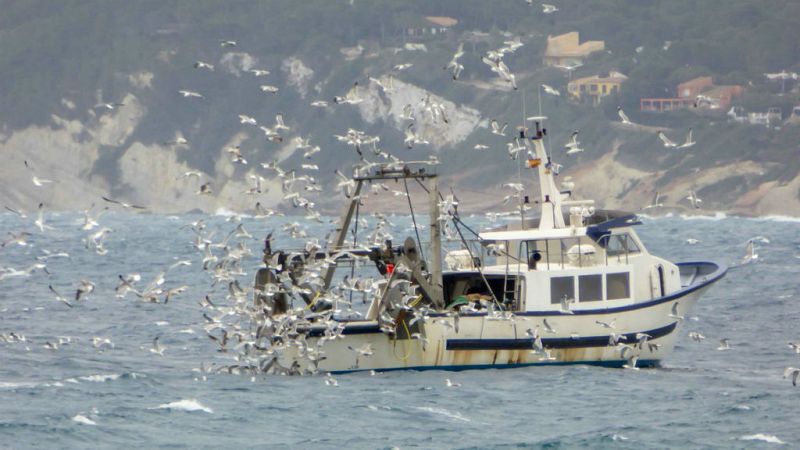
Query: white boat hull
x=482 y=341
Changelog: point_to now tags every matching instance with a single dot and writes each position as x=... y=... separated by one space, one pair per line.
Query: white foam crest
x=80 y=418
x=190 y=405
x=778 y=218
x=443 y=412
x=772 y=439
x=223 y=212
x=101 y=378
x=718 y=215
x=17 y=384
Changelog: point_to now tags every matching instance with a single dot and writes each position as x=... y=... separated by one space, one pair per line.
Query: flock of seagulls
x=247 y=330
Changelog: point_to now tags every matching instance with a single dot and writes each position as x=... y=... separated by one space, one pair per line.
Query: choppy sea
x=79 y=395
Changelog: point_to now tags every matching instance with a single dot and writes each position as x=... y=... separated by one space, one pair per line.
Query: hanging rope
x=414 y=220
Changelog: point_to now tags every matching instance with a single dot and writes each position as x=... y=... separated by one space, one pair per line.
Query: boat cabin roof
x=595 y=229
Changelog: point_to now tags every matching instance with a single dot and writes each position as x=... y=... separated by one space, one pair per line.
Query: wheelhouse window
x=617 y=286
x=620 y=244
x=560 y=287
x=590 y=288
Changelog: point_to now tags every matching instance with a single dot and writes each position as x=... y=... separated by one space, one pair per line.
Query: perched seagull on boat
x=496 y=129
x=548 y=9
x=547 y=327
x=689 y=141
x=565 y=302
x=203 y=65
x=187 y=94
x=667 y=142
x=454 y=66
x=351 y=97
x=793 y=372
x=697 y=337
x=623 y=117
x=693 y=199
x=158 y=349
x=724 y=345
x=795 y=346
x=449 y=383
x=123 y=204
x=269 y=89
x=551 y=90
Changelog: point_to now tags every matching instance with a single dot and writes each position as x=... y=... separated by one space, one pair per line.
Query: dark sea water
x=79 y=396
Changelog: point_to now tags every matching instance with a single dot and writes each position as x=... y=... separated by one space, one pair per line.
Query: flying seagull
x=689 y=141
x=623 y=117
x=123 y=204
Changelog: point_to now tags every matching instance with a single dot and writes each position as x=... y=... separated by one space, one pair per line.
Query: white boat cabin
x=593 y=267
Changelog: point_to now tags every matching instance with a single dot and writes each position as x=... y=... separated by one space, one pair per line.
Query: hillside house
x=593 y=89
x=566 y=49
x=429 y=26
x=698 y=93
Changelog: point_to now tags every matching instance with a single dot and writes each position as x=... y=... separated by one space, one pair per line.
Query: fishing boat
x=574 y=285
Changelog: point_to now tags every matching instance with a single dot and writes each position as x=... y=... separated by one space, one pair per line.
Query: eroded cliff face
x=70 y=152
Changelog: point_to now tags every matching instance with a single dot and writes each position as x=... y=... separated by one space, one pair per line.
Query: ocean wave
x=443 y=412
x=718 y=215
x=11 y=385
x=190 y=405
x=772 y=439
x=101 y=378
x=80 y=418
x=778 y=218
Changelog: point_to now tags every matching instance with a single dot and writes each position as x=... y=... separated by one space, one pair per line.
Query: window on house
x=583 y=88
x=617 y=286
x=590 y=288
x=594 y=88
x=560 y=287
x=605 y=89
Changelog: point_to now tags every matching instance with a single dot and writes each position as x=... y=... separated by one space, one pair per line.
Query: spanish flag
x=535 y=162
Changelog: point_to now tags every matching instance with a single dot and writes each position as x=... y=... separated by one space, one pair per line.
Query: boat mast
x=552 y=217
